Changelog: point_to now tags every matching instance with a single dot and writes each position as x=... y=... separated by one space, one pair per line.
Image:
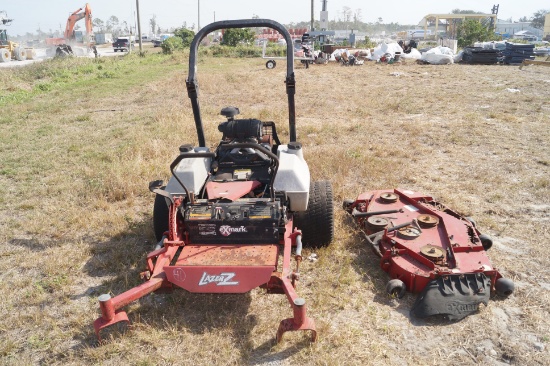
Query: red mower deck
x=430 y=250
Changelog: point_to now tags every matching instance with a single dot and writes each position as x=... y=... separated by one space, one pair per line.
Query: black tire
x=486 y=241
x=396 y=288
x=317 y=223
x=504 y=287
x=160 y=216
x=472 y=221
x=270 y=64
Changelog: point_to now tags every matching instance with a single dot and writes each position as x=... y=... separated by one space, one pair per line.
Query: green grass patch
x=25 y=83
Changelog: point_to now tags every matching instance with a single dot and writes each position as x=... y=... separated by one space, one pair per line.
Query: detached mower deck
x=428 y=249
x=225 y=217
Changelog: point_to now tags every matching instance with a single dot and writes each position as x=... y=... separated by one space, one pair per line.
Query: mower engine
x=233 y=208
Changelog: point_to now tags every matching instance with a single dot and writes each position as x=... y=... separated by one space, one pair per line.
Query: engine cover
x=244 y=221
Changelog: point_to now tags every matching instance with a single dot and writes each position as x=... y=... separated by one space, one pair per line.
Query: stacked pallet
x=515 y=53
x=480 y=55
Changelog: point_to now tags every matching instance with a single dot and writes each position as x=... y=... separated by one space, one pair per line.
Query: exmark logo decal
x=462 y=308
x=223 y=279
x=226 y=230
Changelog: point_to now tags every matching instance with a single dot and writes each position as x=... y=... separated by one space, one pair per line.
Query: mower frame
x=165 y=266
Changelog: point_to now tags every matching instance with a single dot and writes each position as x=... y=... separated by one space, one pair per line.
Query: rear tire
x=270 y=64
x=161 y=215
x=317 y=223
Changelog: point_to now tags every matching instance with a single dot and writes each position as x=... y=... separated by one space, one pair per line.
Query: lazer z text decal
x=223 y=279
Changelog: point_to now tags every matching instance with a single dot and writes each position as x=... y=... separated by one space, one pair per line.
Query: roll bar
x=192 y=84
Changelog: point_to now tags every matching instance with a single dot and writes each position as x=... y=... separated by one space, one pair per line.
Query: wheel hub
x=377 y=223
x=432 y=252
x=408 y=232
x=427 y=221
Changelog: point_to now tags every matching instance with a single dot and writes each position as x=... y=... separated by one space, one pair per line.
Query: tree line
x=117 y=28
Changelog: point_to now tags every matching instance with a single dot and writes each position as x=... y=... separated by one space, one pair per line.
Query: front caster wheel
x=396 y=288
x=486 y=241
x=504 y=287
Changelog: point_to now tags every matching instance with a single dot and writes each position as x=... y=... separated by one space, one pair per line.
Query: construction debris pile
x=393 y=52
x=515 y=53
x=348 y=58
x=438 y=56
x=483 y=53
x=480 y=55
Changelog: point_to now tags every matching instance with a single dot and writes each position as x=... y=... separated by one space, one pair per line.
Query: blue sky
x=50 y=14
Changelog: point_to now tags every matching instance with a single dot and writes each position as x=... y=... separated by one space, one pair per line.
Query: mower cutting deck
x=227 y=216
x=427 y=248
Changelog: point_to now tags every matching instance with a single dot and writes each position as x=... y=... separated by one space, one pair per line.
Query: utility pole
x=312 y=16
x=139 y=30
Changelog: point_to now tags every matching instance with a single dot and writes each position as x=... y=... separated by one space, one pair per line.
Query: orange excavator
x=70 y=36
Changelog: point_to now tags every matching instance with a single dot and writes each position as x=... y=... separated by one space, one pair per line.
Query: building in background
x=508 y=29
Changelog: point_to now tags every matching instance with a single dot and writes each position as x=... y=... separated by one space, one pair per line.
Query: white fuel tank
x=192 y=172
x=293 y=175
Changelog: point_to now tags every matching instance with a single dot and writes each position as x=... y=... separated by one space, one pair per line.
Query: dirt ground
x=75 y=214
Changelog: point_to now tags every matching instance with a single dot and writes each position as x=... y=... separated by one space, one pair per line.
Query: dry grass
x=75 y=216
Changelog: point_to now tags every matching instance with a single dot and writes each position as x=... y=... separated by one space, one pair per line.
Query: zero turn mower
x=429 y=250
x=226 y=216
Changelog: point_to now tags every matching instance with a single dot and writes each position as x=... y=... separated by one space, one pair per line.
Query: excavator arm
x=88 y=20
x=82 y=13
